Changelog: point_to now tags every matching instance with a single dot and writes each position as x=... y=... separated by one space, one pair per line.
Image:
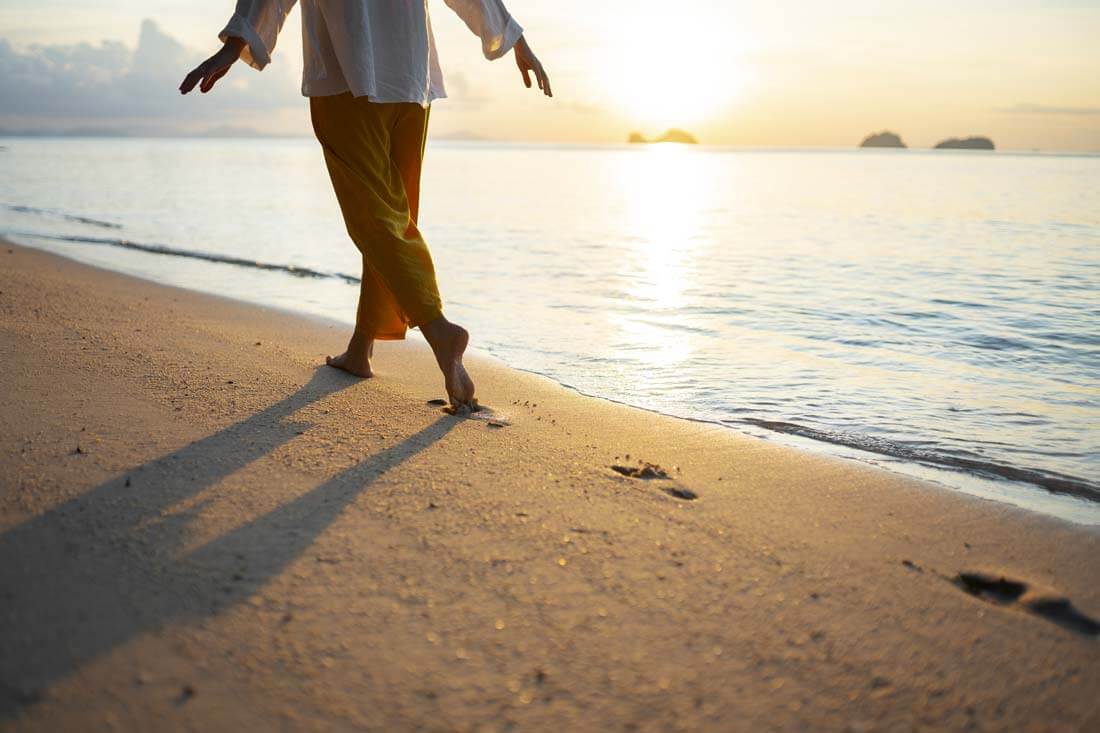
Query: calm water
x=935 y=313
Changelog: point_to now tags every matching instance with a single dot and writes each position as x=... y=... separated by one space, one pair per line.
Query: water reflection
x=665 y=190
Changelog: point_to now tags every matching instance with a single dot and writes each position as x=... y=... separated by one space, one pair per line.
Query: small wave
x=1055 y=483
x=163 y=249
x=53 y=213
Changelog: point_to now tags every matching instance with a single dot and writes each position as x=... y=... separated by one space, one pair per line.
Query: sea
x=934 y=313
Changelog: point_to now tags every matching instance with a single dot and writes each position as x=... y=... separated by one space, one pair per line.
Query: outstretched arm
x=250 y=34
x=500 y=33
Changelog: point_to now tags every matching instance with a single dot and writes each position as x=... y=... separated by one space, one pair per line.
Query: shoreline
x=1061 y=496
x=606 y=145
x=246 y=538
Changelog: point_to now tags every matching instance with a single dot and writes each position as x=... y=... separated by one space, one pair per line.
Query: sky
x=781 y=73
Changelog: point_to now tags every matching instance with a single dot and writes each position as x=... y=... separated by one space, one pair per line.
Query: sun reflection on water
x=665 y=195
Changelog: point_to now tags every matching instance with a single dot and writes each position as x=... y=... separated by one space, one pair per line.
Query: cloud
x=108 y=83
x=1025 y=108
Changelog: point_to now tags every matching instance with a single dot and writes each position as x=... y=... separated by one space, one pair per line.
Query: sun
x=672 y=70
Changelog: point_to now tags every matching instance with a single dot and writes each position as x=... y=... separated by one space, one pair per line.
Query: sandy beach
x=201 y=528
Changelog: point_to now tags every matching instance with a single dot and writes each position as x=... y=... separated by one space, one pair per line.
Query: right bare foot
x=448 y=341
x=356 y=360
x=360 y=366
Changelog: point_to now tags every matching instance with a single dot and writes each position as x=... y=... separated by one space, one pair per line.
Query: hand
x=527 y=62
x=213 y=68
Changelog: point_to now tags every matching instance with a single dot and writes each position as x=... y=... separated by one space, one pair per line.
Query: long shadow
x=103 y=568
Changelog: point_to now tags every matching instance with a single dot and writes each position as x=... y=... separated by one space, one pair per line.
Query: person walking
x=371 y=73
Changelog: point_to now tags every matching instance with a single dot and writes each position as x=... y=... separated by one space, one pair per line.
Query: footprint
x=492 y=418
x=1007 y=592
x=681 y=493
x=990 y=588
x=642 y=470
x=645 y=470
x=463 y=410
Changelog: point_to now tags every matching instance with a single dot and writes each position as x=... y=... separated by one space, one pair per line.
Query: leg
x=447 y=340
x=356 y=359
x=357 y=137
x=374 y=153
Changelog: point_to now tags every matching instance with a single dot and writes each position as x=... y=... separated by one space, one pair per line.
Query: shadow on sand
x=103 y=568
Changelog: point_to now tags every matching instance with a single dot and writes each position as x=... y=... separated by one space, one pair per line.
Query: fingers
x=541 y=77
x=209 y=71
x=544 y=82
x=191 y=80
x=527 y=63
x=208 y=82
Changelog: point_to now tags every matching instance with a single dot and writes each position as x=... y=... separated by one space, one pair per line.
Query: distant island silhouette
x=887 y=139
x=969 y=143
x=884 y=139
x=670 y=136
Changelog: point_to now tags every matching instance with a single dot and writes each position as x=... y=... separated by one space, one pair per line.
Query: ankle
x=435 y=329
x=360 y=343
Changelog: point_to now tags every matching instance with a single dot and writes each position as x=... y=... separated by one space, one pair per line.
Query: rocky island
x=670 y=136
x=969 y=143
x=884 y=139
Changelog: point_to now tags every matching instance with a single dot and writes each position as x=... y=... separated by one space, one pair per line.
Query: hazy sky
x=776 y=73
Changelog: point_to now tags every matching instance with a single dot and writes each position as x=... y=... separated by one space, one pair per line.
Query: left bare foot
x=448 y=341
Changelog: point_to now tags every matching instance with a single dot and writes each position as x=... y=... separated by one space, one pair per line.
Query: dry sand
x=202 y=529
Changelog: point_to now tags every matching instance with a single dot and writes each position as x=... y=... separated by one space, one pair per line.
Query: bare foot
x=359 y=367
x=448 y=341
x=356 y=360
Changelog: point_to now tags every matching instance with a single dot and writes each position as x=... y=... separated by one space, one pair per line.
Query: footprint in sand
x=646 y=471
x=1002 y=591
x=492 y=418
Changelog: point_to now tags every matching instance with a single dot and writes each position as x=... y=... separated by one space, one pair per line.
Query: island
x=884 y=139
x=670 y=136
x=969 y=143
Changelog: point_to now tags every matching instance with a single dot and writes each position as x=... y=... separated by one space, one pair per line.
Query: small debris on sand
x=438 y=403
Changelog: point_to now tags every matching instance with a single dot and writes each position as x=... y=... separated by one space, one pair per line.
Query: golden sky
x=777 y=74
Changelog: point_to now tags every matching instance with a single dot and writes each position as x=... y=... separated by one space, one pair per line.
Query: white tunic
x=380 y=49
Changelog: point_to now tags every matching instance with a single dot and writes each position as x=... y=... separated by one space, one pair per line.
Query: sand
x=203 y=529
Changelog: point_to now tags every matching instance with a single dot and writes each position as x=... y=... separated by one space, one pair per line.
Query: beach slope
x=203 y=529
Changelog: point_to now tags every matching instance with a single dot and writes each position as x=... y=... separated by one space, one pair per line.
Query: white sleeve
x=257 y=23
x=490 y=21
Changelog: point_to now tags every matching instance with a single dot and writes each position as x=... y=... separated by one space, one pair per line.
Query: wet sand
x=203 y=529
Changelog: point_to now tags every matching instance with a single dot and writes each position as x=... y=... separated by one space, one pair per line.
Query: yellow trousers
x=374 y=154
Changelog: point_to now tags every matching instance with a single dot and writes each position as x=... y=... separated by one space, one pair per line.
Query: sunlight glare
x=666 y=191
x=672 y=71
